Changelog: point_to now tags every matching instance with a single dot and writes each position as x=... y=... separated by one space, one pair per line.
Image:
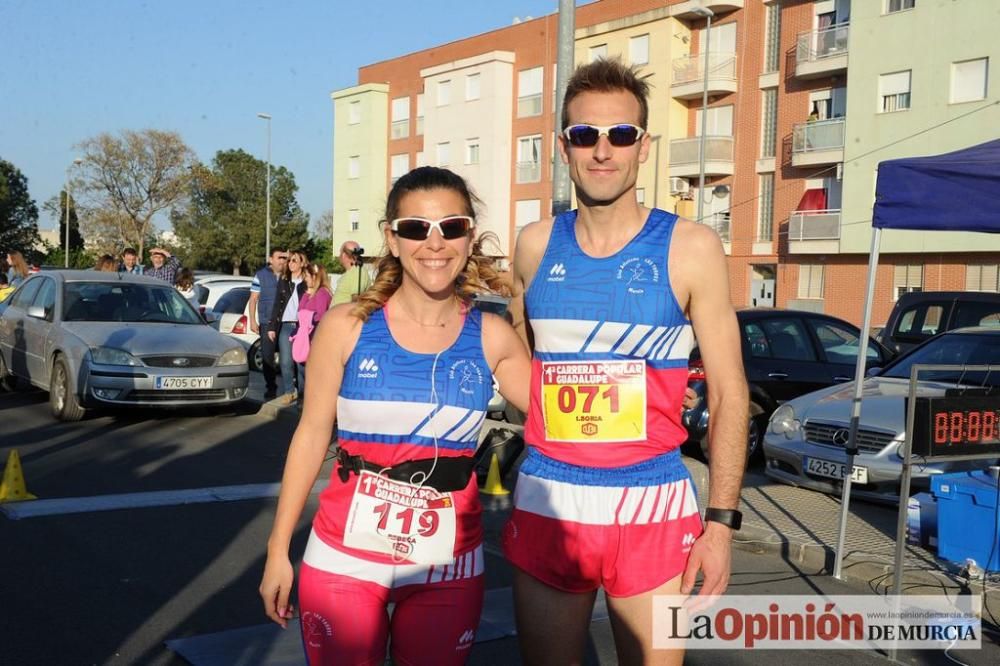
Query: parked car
x=210 y=288
x=231 y=316
x=805 y=439
x=96 y=339
x=920 y=315
x=786 y=353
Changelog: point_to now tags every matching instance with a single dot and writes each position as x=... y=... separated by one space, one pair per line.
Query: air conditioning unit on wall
x=679 y=186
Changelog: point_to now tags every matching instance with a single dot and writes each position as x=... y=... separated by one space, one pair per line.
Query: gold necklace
x=441 y=324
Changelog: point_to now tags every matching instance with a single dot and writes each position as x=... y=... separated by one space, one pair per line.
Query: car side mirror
x=36 y=312
x=873 y=372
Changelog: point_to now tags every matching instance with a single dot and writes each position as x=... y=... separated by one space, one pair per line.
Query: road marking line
x=68 y=505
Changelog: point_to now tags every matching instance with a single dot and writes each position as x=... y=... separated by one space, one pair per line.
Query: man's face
x=157 y=259
x=603 y=173
x=278 y=261
x=346 y=254
x=129 y=260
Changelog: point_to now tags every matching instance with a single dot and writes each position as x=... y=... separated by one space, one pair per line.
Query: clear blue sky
x=205 y=68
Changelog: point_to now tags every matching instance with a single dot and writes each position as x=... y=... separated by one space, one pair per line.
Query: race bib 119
x=412 y=523
x=594 y=401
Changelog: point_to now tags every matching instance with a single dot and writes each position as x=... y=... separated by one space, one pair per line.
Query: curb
x=274 y=411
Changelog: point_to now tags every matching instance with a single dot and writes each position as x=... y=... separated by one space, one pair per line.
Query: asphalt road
x=110 y=587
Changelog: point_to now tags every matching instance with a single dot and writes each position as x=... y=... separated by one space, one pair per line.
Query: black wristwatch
x=729 y=517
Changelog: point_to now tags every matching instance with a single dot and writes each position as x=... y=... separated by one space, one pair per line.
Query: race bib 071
x=594 y=401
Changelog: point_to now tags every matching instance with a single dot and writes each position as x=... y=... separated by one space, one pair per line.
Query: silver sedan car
x=805 y=438
x=93 y=339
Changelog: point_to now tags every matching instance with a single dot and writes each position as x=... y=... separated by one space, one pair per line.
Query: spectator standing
x=356 y=279
x=130 y=262
x=263 y=291
x=106 y=264
x=285 y=317
x=5 y=287
x=312 y=306
x=185 y=285
x=18 y=271
x=164 y=267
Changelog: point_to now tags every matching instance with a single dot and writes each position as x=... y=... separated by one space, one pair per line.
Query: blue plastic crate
x=967 y=518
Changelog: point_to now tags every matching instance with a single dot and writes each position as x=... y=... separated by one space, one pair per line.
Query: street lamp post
x=267 y=232
x=76 y=162
x=708 y=14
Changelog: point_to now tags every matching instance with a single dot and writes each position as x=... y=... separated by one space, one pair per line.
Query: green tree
x=18 y=212
x=131 y=178
x=56 y=207
x=223 y=220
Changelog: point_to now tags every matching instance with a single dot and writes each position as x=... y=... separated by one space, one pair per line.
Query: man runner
x=610 y=298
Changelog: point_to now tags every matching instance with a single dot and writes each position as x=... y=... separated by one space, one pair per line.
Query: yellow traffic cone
x=12 y=488
x=494 y=484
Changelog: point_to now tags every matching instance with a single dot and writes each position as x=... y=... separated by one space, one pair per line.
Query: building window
x=769 y=122
x=529 y=158
x=471 y=87
x=354 y=217
x=400 y=117
x=529 y=92
x=638 y=50
x=526 y=211
x=811 y=280
x=968 y=80
x=892 y=6
x=399 y=165
x=354 y=113
x=444 y=154
x=443 y=93
x=640 y=196
x=906 y=278
x=982 y=277
x=720 y=121
x=772 y=37
x=420 y=114
x=894 y=92
x=765 y=219
x=421 y=159
x=472 y=151
x=354 y=166
x=597 y=52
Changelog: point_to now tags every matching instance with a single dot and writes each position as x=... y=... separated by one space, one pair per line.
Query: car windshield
x=953 y=349
x=126 y=302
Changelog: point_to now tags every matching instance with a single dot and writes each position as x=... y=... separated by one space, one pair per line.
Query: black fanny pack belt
x=450 y=474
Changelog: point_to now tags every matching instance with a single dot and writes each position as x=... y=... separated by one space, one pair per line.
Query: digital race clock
x=956 y=425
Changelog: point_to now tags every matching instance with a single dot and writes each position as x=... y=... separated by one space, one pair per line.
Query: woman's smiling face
x=434 y=263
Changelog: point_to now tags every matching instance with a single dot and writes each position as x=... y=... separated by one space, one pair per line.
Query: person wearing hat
x=165 y=266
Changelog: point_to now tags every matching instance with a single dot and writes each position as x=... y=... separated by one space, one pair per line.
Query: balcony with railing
x=818 y=142
x=814 y=231
x=529 y=172
x=686 y=10
x=684 y=156
x=822 y=52
x=720 y=223
x=689 y=75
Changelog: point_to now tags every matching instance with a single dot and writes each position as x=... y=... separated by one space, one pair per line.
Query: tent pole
x=859 y=378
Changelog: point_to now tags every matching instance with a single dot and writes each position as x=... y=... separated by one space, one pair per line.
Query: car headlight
x=234 y=357
x=112 y=356
x=783 y=422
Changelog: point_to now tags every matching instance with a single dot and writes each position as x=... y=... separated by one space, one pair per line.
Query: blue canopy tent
x=958 y=191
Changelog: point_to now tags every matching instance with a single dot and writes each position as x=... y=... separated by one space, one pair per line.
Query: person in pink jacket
x=313 y=304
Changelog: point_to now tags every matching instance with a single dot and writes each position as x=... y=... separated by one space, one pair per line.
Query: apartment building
x=804 y=98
